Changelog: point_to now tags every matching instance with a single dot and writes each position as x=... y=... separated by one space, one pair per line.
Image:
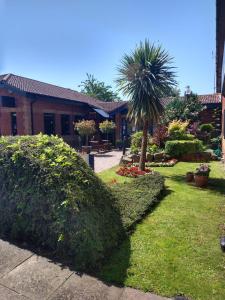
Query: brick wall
x=40 y=106
x=43 y=105
x=20 y=110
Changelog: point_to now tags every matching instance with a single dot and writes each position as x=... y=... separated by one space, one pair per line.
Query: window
x=65 y=124
x=49 y=123
x=8 y=101
x=13 y=124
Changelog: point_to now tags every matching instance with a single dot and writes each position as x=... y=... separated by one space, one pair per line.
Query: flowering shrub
x=132 y=171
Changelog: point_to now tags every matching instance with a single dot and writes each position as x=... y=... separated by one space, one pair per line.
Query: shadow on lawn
x=215 y=184
x=114 y=270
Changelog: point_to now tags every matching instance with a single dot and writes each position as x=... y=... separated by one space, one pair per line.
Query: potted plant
x=107 y=127
x=201 y=175
x=85 y=128
x=189 y=176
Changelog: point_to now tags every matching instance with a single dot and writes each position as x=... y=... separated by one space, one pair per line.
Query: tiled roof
x=41 y=88
x=204 y=99
x=111 y=106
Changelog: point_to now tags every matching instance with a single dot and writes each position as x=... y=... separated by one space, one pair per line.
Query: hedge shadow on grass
x=217 y=185
x=114 y=270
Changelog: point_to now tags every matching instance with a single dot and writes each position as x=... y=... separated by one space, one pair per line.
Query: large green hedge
x=177 y=148
x=135 y=198
x=50 y=197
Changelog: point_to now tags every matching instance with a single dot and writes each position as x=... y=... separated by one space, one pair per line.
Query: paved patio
x=25 y=275
x=104 y=161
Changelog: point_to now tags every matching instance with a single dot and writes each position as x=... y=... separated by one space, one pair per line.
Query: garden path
x=25 y=275
x=104 y=161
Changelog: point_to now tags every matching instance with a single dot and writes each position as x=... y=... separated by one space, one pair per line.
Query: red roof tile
x=204 y=99
x=41 y=88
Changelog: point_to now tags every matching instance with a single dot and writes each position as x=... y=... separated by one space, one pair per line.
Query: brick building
x=29 y=106
x=220 y=61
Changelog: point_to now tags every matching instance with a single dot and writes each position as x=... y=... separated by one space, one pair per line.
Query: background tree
x=174 y=92
x=98 y=89
x=183 y=109
x=145 y=76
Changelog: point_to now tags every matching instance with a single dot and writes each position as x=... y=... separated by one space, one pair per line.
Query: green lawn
x=175 y=249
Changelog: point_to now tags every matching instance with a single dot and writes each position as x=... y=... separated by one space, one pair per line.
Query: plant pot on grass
x=201 y=180
x=189 y=176
x=201 y=176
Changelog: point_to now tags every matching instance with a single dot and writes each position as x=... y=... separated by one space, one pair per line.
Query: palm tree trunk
x=144 y=146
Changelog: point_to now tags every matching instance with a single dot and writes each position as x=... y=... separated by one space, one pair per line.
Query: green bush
x=51 y=198
x=136 y=140
x=135 y=198
x=206 y=127
x=179 y=148
x=182 y=136
x=152 y=149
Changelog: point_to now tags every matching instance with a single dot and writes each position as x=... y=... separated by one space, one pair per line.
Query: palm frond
x=146 y=75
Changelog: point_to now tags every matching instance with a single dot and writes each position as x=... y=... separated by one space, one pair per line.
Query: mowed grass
x=175 y=249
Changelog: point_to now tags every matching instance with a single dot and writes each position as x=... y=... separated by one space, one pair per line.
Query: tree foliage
x=187 y=108
x=98 y=89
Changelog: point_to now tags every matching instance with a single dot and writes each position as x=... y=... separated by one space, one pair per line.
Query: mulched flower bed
x=169 y=163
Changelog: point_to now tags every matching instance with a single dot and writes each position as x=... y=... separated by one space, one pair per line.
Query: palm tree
x=145 y=76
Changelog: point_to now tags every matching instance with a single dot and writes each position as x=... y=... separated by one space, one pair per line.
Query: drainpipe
x=32 y=116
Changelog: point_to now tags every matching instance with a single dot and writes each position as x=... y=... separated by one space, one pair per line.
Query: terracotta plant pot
x=189 y=176
x=86 y=149
x=201 y=181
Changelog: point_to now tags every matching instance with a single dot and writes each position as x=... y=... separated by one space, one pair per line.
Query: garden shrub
x=177 y=130
x=51 y=198
x=178 y=148
x=136 y=140
x=177 y=125
x=206 y=127
x=135 y=198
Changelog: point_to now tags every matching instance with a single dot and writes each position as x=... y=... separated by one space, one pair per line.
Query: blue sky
x=60 y=41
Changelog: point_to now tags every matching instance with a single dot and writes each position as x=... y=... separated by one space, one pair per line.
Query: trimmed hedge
x=51 y=198
x=178 y=148
x=135 y=198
